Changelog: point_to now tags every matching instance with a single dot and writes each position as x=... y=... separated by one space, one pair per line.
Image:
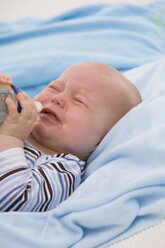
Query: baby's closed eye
x=76 y=99
x=55 y=88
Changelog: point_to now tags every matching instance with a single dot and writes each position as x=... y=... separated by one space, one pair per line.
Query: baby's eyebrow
x=57 y=81
x=81 y=93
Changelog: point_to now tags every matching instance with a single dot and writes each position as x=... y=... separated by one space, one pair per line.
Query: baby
x=42 y=155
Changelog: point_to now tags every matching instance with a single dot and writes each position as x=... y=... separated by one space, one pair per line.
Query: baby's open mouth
x=50 y=115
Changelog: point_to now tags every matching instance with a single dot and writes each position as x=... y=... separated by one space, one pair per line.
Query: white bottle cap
x=38 y=106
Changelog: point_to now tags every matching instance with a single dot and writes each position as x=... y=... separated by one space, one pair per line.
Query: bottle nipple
x=38 y=106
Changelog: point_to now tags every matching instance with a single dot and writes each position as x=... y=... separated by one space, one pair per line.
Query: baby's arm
x=36 y=183
x=17 y=127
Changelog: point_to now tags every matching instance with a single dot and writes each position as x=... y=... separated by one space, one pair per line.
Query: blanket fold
x=123 y=188
x=36 y=51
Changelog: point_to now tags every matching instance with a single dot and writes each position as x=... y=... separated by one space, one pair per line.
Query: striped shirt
x=33 y=181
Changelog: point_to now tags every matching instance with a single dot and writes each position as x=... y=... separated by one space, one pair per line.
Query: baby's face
x=74 y=116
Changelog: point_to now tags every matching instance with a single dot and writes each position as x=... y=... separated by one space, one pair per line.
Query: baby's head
x=81 y=106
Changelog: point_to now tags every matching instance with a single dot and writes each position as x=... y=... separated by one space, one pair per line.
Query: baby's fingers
x=36 y=106
x=4 y=79
x=13 y=113
x=27 y=104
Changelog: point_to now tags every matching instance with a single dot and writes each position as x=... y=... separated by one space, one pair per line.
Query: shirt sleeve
x=41 y=186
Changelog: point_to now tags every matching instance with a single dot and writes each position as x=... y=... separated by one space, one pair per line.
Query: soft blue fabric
x=35 y=51
x=123 y=189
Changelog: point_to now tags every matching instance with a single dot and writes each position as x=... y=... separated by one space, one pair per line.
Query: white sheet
x=13 y=10
x=152 y=237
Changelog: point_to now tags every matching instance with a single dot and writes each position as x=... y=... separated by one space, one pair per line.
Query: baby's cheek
x=40 y=98
x=36 y=98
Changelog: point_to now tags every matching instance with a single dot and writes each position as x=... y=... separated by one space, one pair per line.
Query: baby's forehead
x=88 y=78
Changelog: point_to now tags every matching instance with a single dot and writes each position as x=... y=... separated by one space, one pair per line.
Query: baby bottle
x=6 y=91
x=11 y=91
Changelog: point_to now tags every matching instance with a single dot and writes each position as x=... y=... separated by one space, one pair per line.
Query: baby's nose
x=59 y=100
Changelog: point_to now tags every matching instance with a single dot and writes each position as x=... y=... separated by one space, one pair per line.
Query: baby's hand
x=4 y=79
x=20 y=125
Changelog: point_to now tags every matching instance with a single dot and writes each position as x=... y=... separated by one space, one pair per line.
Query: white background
x=11 y=10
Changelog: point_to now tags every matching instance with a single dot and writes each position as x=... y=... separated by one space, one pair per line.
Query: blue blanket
x=123 y=189
x=35 y=51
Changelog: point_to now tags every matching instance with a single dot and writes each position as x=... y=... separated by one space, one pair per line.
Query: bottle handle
x=17 y=90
